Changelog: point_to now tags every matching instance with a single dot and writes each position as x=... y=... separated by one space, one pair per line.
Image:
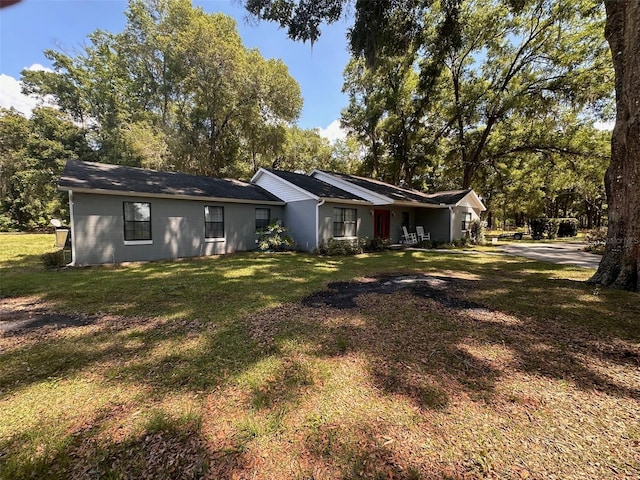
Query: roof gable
x=115 y=179
x=313 y=187
x=386 y=192
x=381 y=193
x=467 y=198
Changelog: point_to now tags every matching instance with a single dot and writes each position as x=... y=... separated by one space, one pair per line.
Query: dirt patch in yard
x=342 y=295
x=30 y=320
x=19 y=315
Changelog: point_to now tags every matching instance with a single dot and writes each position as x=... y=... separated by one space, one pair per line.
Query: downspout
x=318 y=205
x=450 y=223
x=73 y=231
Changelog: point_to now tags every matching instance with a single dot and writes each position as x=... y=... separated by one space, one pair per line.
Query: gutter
x=73 y=232
x=318 y=205
x=171 y=196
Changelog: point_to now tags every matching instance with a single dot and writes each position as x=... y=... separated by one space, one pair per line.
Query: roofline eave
x=262 y=171
x=346 y=200
x=383 y=199
x=125 y=193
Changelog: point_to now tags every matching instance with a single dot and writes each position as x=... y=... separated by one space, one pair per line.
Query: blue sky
x=32 y=26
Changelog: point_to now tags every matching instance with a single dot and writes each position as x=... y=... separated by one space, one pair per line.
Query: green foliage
x=550 y=228
x=274 y=239
x=175 y=90
x=538 y=227
x=476 y=232
x=7 y=224
x=335 y=247
x=303 y=150
x=443 y=244
x=596 y=240
x=470 y=94
x=375 y=244
x=567 y=227
x=33 y=153
x=53 y=259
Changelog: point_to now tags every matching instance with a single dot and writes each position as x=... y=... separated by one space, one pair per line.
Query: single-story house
x=121 y=214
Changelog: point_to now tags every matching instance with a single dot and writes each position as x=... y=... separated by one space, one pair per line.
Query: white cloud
x=333 y=132
x=604 y=125
x=11 y=95
x=38 y=67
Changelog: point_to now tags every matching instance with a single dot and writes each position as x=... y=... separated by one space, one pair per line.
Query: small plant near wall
x=273 y=238
x=53 y=260
x=476 y=232
x=375 y=244
x=335 y=248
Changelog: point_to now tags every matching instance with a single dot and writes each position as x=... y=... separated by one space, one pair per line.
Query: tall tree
x=620 y=265
x=33 y=153
x=176 y=89
x=303 y=151
x=503 y=69
x=373 y=32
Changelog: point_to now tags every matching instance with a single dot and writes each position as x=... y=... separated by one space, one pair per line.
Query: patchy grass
x=409 y=365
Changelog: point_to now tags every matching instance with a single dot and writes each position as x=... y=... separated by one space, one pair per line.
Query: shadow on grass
x=165 y=448
x=197 y=325
x=421 y=342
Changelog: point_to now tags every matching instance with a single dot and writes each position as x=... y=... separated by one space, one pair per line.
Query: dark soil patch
x=18 y=316
x=342 y=295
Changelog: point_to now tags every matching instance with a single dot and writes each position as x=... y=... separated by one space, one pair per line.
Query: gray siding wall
x=457 y=220
x=177 y=228
x=395 y=227
x=435 y=221
x=300 y=219
x=364 y=225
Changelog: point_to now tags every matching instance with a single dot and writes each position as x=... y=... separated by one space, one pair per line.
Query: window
x=344 y=222
x=213 y=222
x=263 y=218
x=137 y=221
x=466 y=220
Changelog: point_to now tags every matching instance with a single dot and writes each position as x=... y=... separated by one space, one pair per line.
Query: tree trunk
x=620 y=265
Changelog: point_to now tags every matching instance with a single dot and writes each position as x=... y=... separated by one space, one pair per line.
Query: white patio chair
x=408 y=237
x=421 y=234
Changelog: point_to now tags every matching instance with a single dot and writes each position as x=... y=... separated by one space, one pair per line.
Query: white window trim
x=466 y=215
x=215 y=240
x=138 y=242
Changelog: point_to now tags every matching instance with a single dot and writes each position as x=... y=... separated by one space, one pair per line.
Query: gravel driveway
x=563 y=253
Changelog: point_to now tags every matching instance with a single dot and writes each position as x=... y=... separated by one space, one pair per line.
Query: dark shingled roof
x=449 y=198
x=314 y=186
x=103 y=176
x=396 y=193
x=403 y=194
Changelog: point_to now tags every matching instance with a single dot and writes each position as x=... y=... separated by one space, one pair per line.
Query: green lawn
x=217 y=368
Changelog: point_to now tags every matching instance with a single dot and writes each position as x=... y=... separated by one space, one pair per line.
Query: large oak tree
x=175 y=90
x=620 y=265
x=383 y=25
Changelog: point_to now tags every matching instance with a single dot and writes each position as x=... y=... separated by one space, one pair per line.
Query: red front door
x=381 y=223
